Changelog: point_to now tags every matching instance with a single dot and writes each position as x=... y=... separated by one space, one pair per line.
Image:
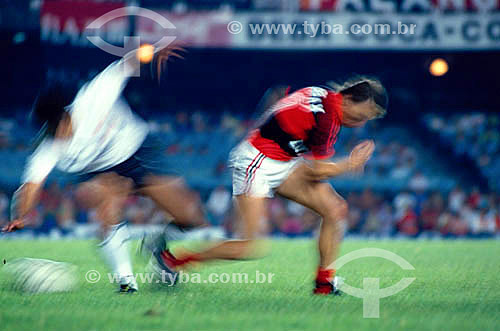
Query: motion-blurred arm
x=27 y=196
x=320 y=170
x=23 y=201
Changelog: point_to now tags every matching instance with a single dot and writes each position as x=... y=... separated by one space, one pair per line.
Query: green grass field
x=457 y=287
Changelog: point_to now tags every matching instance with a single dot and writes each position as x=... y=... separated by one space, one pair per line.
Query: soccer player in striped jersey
x=288 y=154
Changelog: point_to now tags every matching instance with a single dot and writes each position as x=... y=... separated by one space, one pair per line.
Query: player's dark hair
x=360 y=89
x=51 y=104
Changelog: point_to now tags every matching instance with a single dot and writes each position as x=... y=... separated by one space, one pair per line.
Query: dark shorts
x=149 y=159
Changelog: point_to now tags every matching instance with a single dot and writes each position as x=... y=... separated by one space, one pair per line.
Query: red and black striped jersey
x=304 y=123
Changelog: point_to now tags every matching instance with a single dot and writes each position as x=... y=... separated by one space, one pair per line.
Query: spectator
x=486 y=223
x=372 y=223
x=419 y=182
x=407 y=224
x=472 y=217
x=431 y=211
x=292 y=226
x=402 y=202
x=456 y=199
x=386 y=220
x=402 y=170
x=450 y=224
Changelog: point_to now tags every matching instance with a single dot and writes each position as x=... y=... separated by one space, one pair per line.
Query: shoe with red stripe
x=326 y=283
x=175 y=263
x=156 y=244
x=326 y=288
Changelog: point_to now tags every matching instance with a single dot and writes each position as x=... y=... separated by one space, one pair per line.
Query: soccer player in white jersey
x=93 y=132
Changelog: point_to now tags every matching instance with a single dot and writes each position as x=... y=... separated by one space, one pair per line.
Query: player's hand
x=13 y=226
x=360 y=154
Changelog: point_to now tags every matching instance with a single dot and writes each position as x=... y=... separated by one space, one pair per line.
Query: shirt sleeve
x=41 y=163
x=296 y=113
x=98 y=96
x=321 y=143
x=324 y=135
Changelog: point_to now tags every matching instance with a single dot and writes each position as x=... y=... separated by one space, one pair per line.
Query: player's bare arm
x=320 y=170
x=25 y=199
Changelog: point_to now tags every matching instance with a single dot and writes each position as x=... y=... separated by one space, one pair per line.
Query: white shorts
x=256 y=174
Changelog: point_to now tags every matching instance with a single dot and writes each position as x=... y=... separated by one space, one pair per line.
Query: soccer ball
x=41 y=276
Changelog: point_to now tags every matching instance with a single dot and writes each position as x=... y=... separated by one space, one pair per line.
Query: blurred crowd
x=194 y=138
x=409 y=213
x=395 y=157
x=472 y=135
x=412 y=213
x=197 y=136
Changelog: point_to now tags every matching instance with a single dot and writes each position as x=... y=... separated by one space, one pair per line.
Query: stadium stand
x=473 y=135
x=402 y=192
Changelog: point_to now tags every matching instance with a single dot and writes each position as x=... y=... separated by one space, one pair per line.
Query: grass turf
x=456 y=287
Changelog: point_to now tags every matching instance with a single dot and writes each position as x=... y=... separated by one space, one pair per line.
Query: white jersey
x=105 y=131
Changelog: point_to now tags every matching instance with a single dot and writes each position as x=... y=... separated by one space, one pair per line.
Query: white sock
x=117 y=254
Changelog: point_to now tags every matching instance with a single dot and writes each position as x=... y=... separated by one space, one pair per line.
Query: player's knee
x=192 y=214
x=337 y=210
x=85 y=196
x=189 y=215
x=110 y=209
x=118 y=186
x=343 y=209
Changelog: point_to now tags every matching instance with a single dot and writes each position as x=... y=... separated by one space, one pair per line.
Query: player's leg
x=172 y=195
x=252 y=211
x=153 y=177
x=107 y=194
x=251 y=190
x=324 y=200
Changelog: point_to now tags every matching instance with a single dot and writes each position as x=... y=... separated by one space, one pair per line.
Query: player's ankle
x=324 y=275
x=181 y=261
x=191 y=258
